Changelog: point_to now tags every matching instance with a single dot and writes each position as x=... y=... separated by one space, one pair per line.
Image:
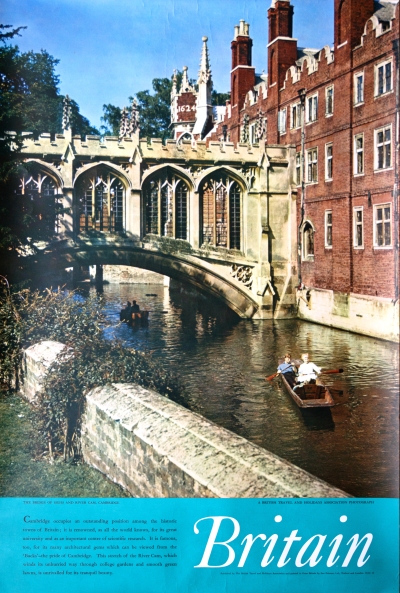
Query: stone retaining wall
x=370 y=316
x=154 y=447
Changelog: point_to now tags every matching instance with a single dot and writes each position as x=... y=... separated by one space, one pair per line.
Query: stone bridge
x=220 y=217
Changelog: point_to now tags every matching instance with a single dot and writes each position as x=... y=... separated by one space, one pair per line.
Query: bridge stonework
x=219 y=216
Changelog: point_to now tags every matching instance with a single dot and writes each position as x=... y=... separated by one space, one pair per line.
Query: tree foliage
x=30 y=101
x=89 y=360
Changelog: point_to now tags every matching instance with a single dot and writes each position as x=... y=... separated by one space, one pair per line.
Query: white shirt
x=307 y=371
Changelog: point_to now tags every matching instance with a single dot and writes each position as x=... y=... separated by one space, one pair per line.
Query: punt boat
x=310 y=395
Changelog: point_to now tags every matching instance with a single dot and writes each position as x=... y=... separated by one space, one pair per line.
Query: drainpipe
x=302 y=96
x=396 y=175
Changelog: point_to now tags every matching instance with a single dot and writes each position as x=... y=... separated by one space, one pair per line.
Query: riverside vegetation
x=89 y=360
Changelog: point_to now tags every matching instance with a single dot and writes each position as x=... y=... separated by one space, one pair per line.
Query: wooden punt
x=140 y=316
x=310 y=395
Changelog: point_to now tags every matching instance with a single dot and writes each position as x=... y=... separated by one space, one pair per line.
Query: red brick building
x=344 y=102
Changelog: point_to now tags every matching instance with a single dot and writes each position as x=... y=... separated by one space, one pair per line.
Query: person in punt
x=288 y=369
x=308 y=371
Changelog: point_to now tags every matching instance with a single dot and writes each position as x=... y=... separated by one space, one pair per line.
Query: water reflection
x=223 y=361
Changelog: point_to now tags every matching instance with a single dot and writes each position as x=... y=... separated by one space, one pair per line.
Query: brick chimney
x=350 y=19
x=242 y=74
x=282 y=48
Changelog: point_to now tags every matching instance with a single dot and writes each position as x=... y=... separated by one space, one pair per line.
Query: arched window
x=166 y=204
x=101 y=201
x=40 y=202
x=308 y=241
x=220 y=204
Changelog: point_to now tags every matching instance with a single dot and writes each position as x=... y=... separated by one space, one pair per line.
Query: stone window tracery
x=41 y=201
x=101 y=202
x=166 y=205
x=221 y=212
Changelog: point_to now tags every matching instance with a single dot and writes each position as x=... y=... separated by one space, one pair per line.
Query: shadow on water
x=318 y=419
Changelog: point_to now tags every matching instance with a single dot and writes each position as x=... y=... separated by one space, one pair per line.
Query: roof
x=384 y=11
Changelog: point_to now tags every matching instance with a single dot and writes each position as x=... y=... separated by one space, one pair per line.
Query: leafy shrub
x=88 y=361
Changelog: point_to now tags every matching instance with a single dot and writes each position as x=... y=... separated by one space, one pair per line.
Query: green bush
x=89 y=360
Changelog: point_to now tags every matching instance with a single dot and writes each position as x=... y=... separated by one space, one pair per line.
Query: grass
x=23 y=476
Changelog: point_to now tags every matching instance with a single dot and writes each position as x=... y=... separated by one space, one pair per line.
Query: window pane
x=386 y=213
x=387 y=233
x=388 y=76
x=359 y=235
x=379 y=214
x=380 y=80
x=379 y=233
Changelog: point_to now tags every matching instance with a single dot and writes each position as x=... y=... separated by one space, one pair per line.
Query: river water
x=223 y=360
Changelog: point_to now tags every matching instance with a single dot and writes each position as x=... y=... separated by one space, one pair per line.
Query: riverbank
x=21 y=474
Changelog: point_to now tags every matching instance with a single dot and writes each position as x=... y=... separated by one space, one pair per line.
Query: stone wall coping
x=226 y=464
x=45 y=352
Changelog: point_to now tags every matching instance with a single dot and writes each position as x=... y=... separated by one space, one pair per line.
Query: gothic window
x=40 y=202
x=221 y=205
x=166 y=204
x=101 y=202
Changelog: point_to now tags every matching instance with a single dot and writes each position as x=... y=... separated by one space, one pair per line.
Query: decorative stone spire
x=66 y=116
x=124 y=125
x=205 y=70
x=134 y=121
x=204 y=112
x=174 y=89
x=185 y=85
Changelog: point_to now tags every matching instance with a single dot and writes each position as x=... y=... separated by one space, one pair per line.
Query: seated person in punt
x=308 y=371
x=288 y=370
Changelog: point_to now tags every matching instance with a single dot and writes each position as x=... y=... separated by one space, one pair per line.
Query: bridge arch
x=183 y=267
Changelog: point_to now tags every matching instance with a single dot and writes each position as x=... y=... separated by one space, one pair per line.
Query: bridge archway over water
x=178 y=265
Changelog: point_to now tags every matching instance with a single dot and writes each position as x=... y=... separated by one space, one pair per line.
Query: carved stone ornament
x=134 y=121
x=261 y=126
x=124 y=124
x=66 y=116
x=243 y=273
x=244 y=136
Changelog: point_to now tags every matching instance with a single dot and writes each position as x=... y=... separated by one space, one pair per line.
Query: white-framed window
x=312 y=165
x=312 y=108
x=308 y=241
x=359 y=154
x=298 y=168
x=329 y=101
x=282 y=121
x=383 y=225
x=328 y=161
x=253 y=133
x=383 y=78
x=295 y=113
x=328 y=229
x=358 y=227
x=383 y=148
x=358 y=88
